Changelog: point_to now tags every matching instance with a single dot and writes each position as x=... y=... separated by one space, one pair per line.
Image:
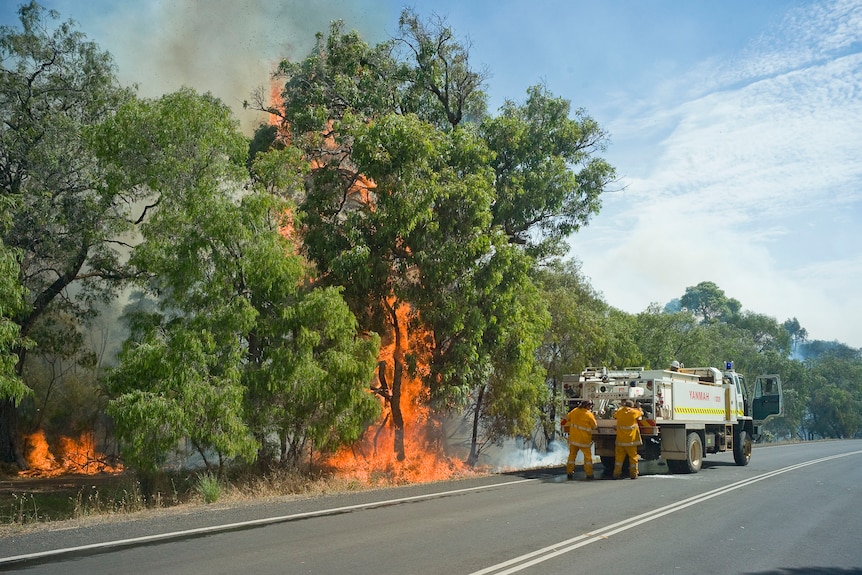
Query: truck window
x=767 y=399
x=765 y=385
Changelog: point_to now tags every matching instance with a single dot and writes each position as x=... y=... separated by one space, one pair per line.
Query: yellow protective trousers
x=573 y=455
x=620 y=454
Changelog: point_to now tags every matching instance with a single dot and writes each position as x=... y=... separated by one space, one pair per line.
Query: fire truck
x=688 y=412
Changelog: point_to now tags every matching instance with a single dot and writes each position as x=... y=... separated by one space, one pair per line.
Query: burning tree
x=430 y=213
x=59 y=218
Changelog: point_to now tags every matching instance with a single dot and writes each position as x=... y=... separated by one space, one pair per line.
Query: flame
x=277 y=102
x=74 y=457
x=373 y=459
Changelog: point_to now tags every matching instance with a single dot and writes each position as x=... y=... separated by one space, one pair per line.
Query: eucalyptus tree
x=548 y=172
x=709 y=302
x=240 y=345
x=667 y=336
x=55 y=85
x=798 y=334
x=584 y=331
x=834 y=388
x=417 y=198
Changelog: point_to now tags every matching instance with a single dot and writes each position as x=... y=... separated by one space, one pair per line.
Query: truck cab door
x=767 y=400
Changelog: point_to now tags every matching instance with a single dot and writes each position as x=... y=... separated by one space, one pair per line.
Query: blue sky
x=735 y=126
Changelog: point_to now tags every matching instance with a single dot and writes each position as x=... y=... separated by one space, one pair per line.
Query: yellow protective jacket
x=628 y=432
x=581 y=423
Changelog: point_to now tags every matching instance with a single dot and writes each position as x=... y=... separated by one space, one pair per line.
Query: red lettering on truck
x=699 y=395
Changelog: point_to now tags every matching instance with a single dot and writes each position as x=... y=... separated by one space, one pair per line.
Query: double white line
x=546 y=553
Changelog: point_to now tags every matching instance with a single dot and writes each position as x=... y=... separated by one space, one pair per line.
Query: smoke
x=517 y=454
x=226 y=47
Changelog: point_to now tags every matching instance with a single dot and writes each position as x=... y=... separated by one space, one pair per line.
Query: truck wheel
x=742 y=448
x=693 y=453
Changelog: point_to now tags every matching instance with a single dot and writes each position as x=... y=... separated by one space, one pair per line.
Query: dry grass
x=28 y=504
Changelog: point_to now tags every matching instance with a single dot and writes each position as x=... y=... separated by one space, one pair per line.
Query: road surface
x=796 y=509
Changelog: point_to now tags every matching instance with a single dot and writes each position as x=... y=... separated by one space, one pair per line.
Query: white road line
x=244 y=524
x=541 y=555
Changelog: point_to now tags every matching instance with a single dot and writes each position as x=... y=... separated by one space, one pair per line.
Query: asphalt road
x=796 y=509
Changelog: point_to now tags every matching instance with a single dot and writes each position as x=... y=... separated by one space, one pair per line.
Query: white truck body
x=687 y=413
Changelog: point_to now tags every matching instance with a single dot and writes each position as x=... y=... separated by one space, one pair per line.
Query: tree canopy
x=248 y=346
x=420 y=201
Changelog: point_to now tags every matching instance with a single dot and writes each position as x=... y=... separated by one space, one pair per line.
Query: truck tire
x=742 y=448
x=693 y=453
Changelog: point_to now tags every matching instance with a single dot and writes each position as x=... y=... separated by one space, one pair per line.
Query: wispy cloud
x=756 y=166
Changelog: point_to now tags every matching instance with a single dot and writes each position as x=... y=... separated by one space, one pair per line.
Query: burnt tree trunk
x=397 y=377
x=473 y=459
x=11 y=446
x=10 y=443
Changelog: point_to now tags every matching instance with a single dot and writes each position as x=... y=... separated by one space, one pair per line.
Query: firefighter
x=628 y=438
x=580 y=423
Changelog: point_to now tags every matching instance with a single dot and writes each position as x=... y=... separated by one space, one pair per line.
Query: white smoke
x=517 y=454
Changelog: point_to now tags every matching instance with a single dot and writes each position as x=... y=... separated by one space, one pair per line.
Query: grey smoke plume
x=226 y=47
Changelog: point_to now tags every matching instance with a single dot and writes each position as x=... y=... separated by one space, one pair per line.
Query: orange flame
x=74 y=457
x=373 y=460
x=276 y=102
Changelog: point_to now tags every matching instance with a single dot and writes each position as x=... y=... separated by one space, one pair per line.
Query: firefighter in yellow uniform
x=580 y=423
x=628 y=438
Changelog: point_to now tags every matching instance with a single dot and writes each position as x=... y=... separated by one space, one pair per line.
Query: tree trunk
x=473 y=459
x=397 y=416
x=10 y=442
x=398 y=374
x=11 y=450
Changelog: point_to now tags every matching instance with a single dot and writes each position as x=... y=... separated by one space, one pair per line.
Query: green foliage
x=310 y=374
x=766 y=333
x=548 y=176
x=54 y=86
x=58 y=218
x=341 y=75
x=663 y=337
x=833 y=385
x=819 y=348
x=797 y=333
x=442 y=87
x=584 y=330
x=709 y=303
x=516 y=390
x=238 y=345
x=11 y=301
x=171 y=386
